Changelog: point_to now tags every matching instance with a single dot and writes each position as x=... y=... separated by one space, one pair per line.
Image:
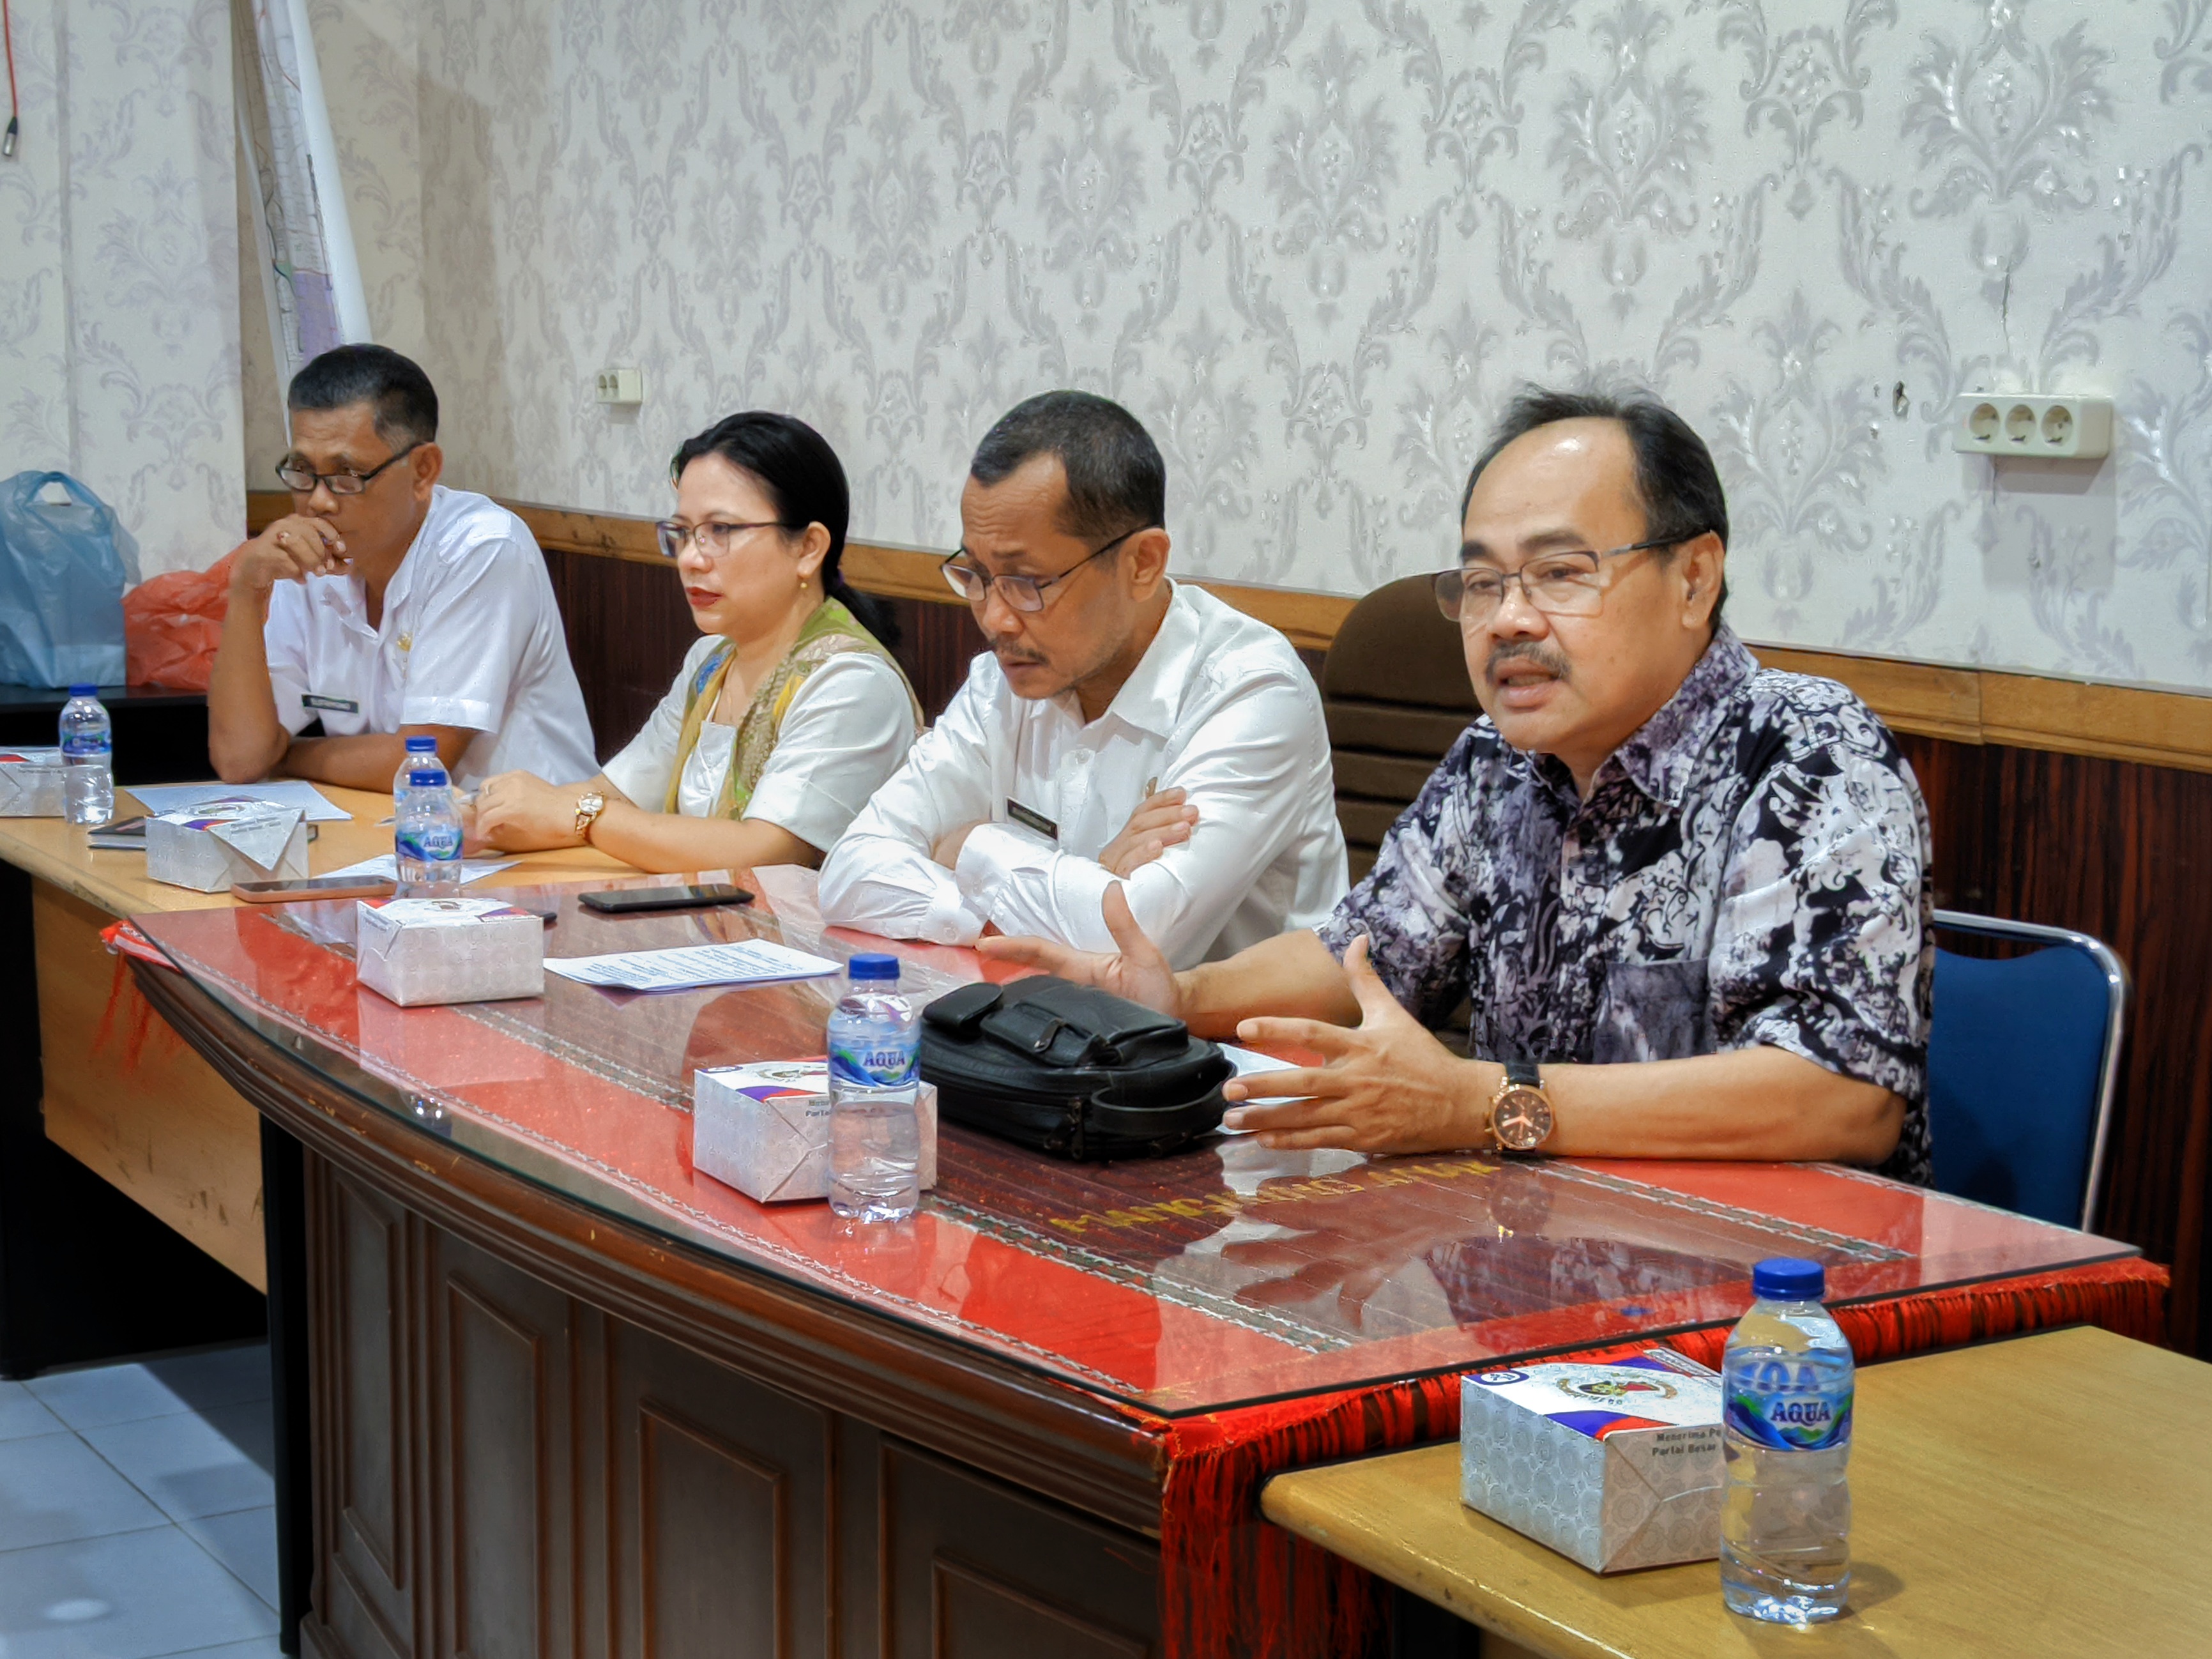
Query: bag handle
x=960 y=1013
x=81 y=494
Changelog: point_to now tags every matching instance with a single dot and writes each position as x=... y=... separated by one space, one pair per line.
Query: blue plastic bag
x=63 y=566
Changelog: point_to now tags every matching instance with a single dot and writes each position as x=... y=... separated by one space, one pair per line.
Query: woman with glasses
x=788 y=713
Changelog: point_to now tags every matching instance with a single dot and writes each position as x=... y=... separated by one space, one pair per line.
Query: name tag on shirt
x=1029 y=819
x=335 y=705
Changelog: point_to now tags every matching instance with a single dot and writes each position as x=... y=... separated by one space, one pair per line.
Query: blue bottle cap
x=424 y=780
x=423 y=745
x=1789 y=1278
x=84 y=690
x=873 y=966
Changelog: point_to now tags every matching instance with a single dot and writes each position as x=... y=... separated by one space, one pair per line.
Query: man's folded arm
x=1248 y=771
x=881 y=877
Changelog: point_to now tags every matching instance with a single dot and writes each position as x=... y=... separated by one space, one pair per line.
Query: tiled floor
x=136 y=1516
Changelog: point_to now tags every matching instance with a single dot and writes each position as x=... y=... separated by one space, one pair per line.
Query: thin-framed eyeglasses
x=302 y=480
x=1022 y=592
x=714 y=537
x=1568 y=583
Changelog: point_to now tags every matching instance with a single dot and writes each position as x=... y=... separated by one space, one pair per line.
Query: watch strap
x=1523 y=1073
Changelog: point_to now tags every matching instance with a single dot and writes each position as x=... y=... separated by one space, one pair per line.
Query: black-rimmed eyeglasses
x=1022 y=592
x=301 y=480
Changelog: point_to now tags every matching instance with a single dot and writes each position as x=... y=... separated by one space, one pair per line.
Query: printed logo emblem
x=1499 y=1379
x=1618 y=1387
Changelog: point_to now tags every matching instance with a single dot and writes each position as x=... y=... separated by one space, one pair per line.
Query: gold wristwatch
x=588 y=808
x=1520 y=1112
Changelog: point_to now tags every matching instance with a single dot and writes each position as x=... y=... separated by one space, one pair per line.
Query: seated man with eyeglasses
x=1122 y=727
x=387 y=606
x=1686 y=895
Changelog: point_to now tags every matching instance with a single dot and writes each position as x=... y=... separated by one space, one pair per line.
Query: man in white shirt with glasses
x=386 y=606
x=1122 y=728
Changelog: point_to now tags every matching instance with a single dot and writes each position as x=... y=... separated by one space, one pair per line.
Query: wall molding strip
x=1964 y=705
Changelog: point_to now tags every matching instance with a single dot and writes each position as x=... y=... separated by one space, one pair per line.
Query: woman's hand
x=518 y=813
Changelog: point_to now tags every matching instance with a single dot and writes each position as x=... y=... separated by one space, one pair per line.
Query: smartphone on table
x=628 y=901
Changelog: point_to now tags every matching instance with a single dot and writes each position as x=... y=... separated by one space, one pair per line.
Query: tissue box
x=417 y=950
x=207 y=846
x=764 y=1128
x=1614 y=1465
x=30 y=783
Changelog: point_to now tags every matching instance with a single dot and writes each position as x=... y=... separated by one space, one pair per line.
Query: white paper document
x=384 y=866
x=746 y=961
x=157 y=798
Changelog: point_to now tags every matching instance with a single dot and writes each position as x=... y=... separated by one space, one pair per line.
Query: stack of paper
x=746 y=961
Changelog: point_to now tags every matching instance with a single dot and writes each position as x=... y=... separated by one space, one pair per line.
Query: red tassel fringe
x=1234 y=1585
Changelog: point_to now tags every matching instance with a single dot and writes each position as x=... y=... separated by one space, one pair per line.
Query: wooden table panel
x=128 y=1099
x=2048 y=1495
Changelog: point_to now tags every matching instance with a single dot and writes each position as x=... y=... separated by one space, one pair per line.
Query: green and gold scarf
x=829 y=632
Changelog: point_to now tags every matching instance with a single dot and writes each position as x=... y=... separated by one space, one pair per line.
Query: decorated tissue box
x=207 y=846
x=30 y=783
x=417 y=950
x=764 y=1128
x=1615 y=1466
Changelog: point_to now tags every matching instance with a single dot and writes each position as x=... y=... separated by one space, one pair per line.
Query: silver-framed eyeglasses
x=1022 y=592
x=301 y=480
x=1568 y=583
x=715 y=537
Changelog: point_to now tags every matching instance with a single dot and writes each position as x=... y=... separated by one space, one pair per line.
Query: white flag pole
x=349 y=299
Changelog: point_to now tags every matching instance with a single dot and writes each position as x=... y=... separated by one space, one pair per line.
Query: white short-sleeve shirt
x=847 y=729
x=470 y=637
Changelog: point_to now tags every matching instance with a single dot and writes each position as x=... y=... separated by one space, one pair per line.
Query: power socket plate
x=620 y=385
x=2014 y=426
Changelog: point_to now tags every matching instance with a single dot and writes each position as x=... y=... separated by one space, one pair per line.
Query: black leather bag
x=1070 y=1070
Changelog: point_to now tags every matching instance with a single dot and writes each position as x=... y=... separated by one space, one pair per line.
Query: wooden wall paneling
x=364 y=1485
x=1023 y=1578
x=721 y=1497
x=628 y=630
x=503 y=1460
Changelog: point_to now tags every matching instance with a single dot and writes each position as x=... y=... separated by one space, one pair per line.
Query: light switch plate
x=2012 y=424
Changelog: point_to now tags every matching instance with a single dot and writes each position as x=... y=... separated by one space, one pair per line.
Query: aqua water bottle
x=875 y=1083
x=1786 y=1390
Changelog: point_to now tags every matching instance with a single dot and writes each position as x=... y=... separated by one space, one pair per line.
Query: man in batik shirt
x=1685 y=895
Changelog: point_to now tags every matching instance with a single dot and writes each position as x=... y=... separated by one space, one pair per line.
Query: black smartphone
x=621 y=900
x=121 y=835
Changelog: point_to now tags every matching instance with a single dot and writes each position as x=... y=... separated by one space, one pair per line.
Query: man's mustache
x=1536 y=651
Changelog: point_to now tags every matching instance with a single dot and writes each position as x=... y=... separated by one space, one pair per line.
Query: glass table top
x=1222 y=1276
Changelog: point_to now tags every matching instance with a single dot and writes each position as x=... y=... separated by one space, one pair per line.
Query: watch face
x=1521 y=1120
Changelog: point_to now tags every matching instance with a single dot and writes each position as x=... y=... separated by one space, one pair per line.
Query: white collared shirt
x=470 y=637
x=850 y=726
x=1219 y=706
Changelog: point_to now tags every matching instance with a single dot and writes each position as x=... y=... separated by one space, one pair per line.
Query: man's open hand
x=1388 y=1086
x=1160 y=822
x=1136 y=969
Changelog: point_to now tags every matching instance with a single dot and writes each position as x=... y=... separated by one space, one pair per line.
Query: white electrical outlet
x=621 y=386
x=2053 y=429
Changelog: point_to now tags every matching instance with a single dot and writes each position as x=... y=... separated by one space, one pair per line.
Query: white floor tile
x=20 y=1413
x=130 y=1597
x=246 y=1543
x=104 y=1393
x=188 y=1464
x=53 y=1488
x=220 y=1377
x=261 y=1646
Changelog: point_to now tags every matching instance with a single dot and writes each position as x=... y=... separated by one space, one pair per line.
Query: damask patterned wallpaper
x=118 y=257
x=1314 y=244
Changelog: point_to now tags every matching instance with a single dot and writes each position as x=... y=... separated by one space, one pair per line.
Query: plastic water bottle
x=426 y=834
x=417 y=749
x=88 y=757
x=875 y=1059
x=1786 y=1386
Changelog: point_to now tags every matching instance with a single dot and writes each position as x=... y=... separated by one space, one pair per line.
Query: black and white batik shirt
x=1749 y=868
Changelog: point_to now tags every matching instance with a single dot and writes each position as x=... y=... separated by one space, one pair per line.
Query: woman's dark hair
x=805 y=482
x=1675 y=478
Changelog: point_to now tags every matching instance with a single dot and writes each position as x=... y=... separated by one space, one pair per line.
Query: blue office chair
x=2023 y=1059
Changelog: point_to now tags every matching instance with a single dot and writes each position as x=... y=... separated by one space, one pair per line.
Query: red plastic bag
x=172 y=624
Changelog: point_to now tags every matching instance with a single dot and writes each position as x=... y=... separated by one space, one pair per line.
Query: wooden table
x=2052 y=1495
x=124 y=1096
